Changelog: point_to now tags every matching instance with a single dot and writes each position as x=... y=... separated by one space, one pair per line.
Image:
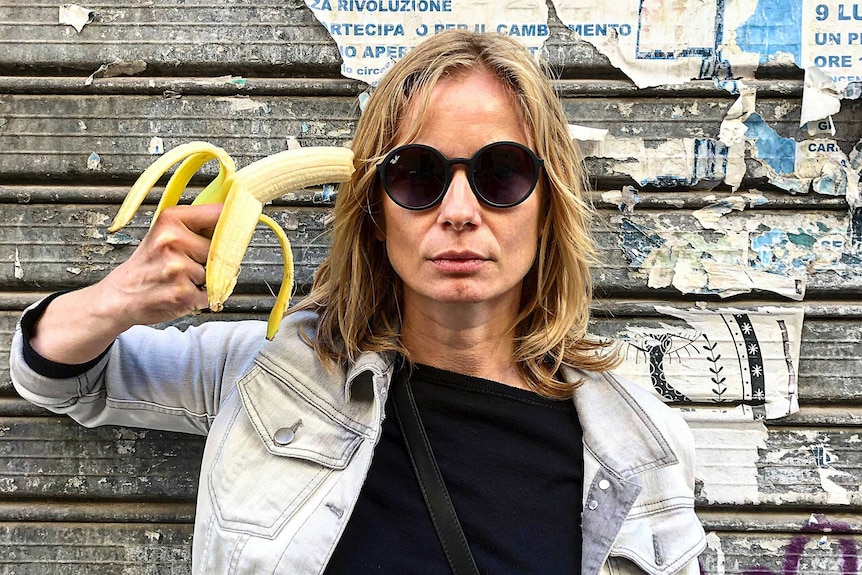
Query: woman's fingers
x=198 y=221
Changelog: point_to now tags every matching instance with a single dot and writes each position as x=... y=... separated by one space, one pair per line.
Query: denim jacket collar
x=633 y=444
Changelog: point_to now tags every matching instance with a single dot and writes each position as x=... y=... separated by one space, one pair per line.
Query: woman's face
x=462 y=251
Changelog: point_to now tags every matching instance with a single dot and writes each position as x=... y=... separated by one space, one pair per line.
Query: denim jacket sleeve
x=167 y=379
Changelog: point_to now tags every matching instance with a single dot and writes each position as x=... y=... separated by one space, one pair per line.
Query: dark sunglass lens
x=415 y=177
x=504 y=174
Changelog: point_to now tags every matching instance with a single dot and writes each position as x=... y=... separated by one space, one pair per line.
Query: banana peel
x=244 y=193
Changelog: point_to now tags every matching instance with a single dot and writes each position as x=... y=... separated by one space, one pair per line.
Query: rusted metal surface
x=95 y=548
x=164 y=548
x=830 y=366
x=56 y=135
x=189 y=37
x=57 y=246
x=821 y=548
x=54 y=457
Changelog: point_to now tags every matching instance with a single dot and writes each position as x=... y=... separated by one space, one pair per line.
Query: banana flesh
x=244 y=193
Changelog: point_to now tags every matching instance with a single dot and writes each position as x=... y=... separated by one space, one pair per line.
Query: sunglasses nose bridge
x=450 y=171
x=451 y=163
x=457 y=204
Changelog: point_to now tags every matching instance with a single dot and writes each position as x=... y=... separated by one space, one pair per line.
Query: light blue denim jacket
x=289 y=444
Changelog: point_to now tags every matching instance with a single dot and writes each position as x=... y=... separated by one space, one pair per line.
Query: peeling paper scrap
x=821 y=128
x=19 y=269
x=710 y=215
x=585 y=133
x=94 y=161
x=625 y=199
x=723 y=356
x=586 y=138
x=776 y=152
x=713 y=542
x=156 y=146
x=795 y=166
x=741 y=254
x=657 y=42
x=701 y=163
x=731 y=280
x=75 y=16
x=726 y=460
x=372 y=34
x=835 y=494
x=832 y=41
x=820 y=97
x=733 y=126
x=117 y=68
x=244 y=104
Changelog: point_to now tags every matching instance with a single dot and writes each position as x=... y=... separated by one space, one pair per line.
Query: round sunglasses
x=501 y=174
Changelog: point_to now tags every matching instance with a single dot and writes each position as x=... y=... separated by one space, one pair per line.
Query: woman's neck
x=463 y=338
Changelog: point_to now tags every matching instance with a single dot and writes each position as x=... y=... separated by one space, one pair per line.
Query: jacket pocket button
x=284 y=436
x=604 y=484
x=593 y=504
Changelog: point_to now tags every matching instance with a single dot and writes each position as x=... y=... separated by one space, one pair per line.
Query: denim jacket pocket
x=661 y=538
x=279 y=434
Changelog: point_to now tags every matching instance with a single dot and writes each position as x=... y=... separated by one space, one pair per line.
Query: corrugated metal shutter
x=775 y=495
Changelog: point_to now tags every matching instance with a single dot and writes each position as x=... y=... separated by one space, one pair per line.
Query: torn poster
x=699 y=163
x=117 y=68
x=727 y=458
x=372 y=34
x=659 y=42
x=735 y=253
x=832 y=41
x=656 y=42
x=745 y=362
x=816 y=163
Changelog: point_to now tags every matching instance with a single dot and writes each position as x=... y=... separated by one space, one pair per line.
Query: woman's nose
x=460 y=206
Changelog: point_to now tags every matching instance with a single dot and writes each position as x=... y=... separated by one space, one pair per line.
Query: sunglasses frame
x=448 y=164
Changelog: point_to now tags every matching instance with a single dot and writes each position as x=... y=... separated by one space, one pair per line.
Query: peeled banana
x=244 y=193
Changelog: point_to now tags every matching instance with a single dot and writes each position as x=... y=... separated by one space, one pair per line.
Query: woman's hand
x=162 y=280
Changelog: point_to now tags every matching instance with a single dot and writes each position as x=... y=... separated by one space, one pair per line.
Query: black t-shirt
x=513 y=464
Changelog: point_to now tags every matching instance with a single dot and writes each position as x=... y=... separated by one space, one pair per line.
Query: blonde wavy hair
x=356 y=293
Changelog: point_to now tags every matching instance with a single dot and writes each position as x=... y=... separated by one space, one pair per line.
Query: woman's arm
x=86 y=355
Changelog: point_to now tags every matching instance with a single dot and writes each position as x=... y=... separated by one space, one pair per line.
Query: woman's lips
x=458 y=262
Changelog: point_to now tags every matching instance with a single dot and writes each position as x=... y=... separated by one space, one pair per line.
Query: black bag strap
x=431 y=482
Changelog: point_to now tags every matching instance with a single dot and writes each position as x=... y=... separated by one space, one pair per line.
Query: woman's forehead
x=457 y=99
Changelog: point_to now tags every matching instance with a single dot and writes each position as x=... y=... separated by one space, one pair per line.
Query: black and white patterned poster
x=728 y=363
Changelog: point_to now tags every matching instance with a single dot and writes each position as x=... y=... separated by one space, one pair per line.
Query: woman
x=458 y=281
